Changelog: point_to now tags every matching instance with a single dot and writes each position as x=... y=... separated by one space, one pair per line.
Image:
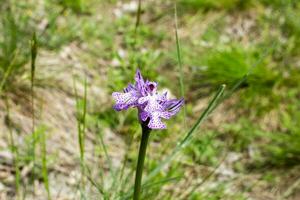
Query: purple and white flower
x=151 y=105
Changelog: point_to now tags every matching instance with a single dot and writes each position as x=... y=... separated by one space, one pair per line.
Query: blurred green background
x=249 y=148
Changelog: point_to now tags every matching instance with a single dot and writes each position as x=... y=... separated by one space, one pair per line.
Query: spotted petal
x=140 y=83
x=124 y=100
x=155 y=121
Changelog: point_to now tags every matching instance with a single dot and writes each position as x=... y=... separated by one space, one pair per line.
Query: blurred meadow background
x=60 y=60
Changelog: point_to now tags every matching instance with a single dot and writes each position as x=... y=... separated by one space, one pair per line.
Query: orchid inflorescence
x=151 y=105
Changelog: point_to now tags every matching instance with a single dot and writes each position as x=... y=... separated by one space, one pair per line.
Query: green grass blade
x=33 y=57
x=123 y=182
x=77 y=116
x=194 y=188
x=99 y=187
x=110 y=166
x=138 y=15
x=81 y=118
x=8 y=71
x=15 y=152
x=161 y=182
x=124 y=195
x=107 y=157
x=34 y=134
x=43 y=140
x=81 y=126
x=84 y=108
x=179 y=62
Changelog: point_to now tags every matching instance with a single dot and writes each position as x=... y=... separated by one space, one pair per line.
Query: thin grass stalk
x=125 y=194
x=96 y=185
x=121 y=186
x=44 y=164
x=195 y=187
x=140 y=164
x=81 y=125
x=83 y=121
x=33 y=58
x=138 y=15
x=45 y=174
x=110 y=166
x=178 y=50
x=34 y=134
x=99 y=187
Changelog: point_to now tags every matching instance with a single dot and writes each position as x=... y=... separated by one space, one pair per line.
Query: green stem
x=140 y=165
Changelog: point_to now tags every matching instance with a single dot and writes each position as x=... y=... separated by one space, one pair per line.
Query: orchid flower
x=151 y=105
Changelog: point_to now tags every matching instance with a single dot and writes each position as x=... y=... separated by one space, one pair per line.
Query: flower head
x=151 y=105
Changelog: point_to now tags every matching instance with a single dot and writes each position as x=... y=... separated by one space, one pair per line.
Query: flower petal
x=155 y=122
x=129 y=88
x=140 y=83
x=173 y=105
x=124 y=100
